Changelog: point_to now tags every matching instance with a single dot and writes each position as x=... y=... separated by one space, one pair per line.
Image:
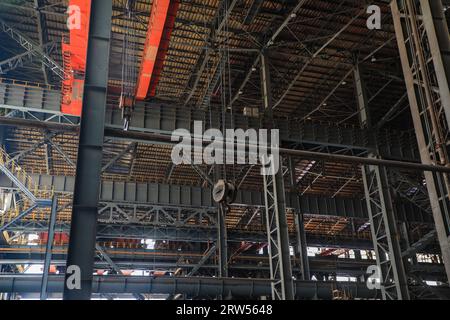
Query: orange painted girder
x=75 y=55
x=163 y=47
x=158 y=16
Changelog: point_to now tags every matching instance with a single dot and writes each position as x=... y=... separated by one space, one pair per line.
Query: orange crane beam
x=74 y=52
x=160 y=26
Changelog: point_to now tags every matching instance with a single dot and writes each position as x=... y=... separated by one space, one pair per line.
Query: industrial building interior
x=92 y=206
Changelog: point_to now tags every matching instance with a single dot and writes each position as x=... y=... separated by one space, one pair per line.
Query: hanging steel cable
x=129 y=63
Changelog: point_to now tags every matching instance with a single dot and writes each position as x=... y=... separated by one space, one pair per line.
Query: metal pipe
x=149 y=137
x=313 y=155
x=194 y=287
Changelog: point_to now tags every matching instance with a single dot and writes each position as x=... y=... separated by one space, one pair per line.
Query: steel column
x=87 y=182
x=49 y=247
x=222 y=242
x=381 y=213
x=275 y=205
x=301 y=249
x=435 y=23
x=423 y=69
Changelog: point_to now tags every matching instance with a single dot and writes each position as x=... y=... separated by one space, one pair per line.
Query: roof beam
x=22 y=58
x=266 y=45
x=315 y=54
x=253 y=11
x=204 y=58
x=30 y=46
x=129 y=148
x=42 y=33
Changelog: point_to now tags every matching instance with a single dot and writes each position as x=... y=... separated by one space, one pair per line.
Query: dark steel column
x=49 y=247
x=87 y=182
x=300 y=249
x=2 y=136
x=222 y=242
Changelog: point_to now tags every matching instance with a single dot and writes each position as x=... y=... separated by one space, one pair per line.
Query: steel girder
x=193 y=287
x=266 y=43
x=42 y=31
x=32 y=47
x=193 y=261
x=43 y=104
x=188 y=234
x=156 y=215
x=21 y=59
x=148 y=194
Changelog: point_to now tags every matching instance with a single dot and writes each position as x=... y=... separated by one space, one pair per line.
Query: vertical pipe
x=87 y=182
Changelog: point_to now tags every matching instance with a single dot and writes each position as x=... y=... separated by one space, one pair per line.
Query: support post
x=222 y=242
x=87 y=182
x=49 y=247
x=275 y=205
x=301 y=249
x=424 y=68
x=381 y=213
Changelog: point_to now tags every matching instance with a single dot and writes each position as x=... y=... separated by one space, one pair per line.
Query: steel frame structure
x=192 y=286
x=275 y=206
x=131 y=193
x=175 y=217
x=32 y=48
x=382 y=219
x=384 y=234
x=422 y=37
